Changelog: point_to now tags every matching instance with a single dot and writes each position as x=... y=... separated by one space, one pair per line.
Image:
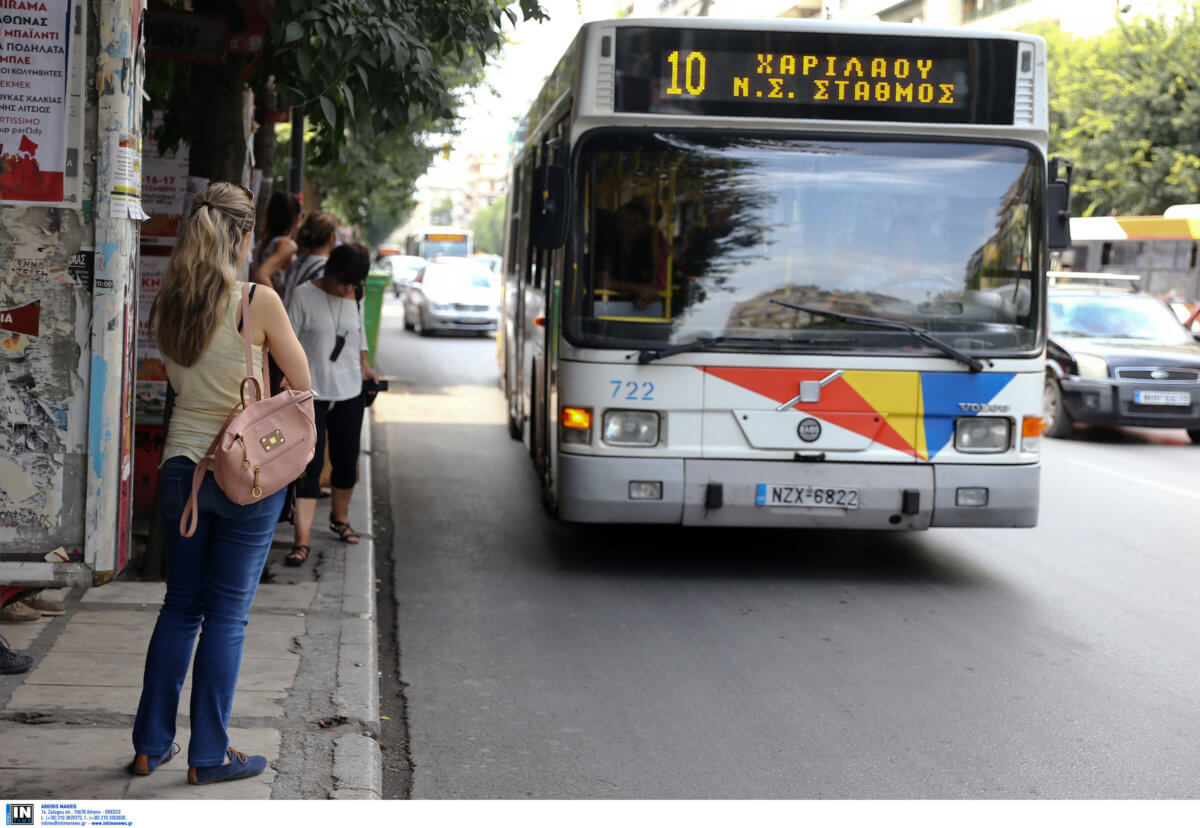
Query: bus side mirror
x=548 y=218
x=1058 y=205
x=1058 y=210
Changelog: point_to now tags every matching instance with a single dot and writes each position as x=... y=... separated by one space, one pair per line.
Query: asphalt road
x=548 y=660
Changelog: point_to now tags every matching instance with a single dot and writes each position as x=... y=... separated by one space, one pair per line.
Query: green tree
x=364 y=72
x=1125 y=108
x=488 y=227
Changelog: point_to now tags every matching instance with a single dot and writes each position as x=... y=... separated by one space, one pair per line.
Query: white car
x=453 y=294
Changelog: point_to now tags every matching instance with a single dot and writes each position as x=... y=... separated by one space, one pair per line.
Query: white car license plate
x=829 y=497
x=1162 y=397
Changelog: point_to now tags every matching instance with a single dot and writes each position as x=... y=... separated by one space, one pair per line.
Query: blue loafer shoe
x=239 y=766
x=144 y=765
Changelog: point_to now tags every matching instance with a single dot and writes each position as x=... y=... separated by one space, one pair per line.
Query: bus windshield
x=695 y=235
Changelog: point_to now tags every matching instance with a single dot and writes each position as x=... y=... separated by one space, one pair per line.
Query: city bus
x=428 y=242
x=1162 y=250
x=783 y=273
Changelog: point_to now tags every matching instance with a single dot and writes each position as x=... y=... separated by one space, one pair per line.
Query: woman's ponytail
x=202 y=271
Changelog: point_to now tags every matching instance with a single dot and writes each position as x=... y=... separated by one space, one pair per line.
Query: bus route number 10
x=693 y=73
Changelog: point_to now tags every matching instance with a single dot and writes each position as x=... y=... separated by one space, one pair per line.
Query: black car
x=1119 y=358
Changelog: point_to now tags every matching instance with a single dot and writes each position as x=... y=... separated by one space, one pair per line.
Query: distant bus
x=428 y=242
x=1164 y=250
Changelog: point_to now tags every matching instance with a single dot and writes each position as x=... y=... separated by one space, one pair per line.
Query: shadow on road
x=1109 y=435
x=766 y=554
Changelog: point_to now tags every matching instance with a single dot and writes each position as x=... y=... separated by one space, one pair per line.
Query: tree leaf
x=329 y=111
x=304 y=62
x=294 y=32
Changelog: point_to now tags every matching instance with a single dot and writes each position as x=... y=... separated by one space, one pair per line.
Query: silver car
x=453 y=294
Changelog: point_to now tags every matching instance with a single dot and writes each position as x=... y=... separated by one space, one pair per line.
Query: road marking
x=1154 y=484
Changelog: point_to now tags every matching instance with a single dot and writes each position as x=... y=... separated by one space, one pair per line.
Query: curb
x=357 y=765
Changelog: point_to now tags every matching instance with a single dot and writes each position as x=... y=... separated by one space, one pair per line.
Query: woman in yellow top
x=213 y=575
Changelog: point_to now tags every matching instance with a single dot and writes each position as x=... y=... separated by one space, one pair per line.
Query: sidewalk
x=307 y=695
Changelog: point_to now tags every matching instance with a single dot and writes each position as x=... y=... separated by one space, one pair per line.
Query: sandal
x=298 y=555
x=344 y=530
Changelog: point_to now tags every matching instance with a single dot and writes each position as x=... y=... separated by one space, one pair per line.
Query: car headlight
x=435 y=306
x=1090 y=365
x=631 y=428
x=981 y=435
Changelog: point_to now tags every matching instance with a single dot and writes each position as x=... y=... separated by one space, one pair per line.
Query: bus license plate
x=830 y=497
x=1179 y=398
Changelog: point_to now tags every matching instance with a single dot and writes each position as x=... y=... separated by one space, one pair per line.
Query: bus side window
x=515 y=226
x=526 y=250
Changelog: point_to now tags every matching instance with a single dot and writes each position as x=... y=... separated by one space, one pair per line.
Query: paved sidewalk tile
x=65 y=699
x=125 y=670
x=49 y=762
x=269 y=596
x=128 y=619
x=21 y=636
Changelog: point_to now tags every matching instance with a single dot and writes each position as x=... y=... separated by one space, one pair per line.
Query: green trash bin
x=373 y=309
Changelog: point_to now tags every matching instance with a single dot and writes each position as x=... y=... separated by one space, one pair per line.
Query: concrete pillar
x=119 y=79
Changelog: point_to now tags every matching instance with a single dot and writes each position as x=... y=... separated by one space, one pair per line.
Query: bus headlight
x=631 y=428
x=982 y=435
x=1090 y=365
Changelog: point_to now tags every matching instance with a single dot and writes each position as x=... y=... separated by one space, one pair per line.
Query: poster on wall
x=164 y=183
x=151 y=387
x=41 y=103
x=164 y=187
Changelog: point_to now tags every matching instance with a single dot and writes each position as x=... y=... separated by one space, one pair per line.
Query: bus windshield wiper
x=893 y=324
x=705 y=342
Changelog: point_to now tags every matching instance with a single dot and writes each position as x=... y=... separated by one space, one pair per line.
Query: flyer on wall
x=41 y=104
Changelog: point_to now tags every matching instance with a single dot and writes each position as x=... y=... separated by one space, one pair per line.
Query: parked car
x=402 y=269
x=1119 y=358
x=453 y=294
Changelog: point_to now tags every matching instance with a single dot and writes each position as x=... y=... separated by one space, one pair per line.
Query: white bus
x=1164 y=250
x=428 y=242
x=783 y=273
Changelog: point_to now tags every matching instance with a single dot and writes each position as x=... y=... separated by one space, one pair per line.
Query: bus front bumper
x=726 y=493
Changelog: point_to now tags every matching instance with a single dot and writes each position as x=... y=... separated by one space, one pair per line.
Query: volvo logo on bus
x=809 y=429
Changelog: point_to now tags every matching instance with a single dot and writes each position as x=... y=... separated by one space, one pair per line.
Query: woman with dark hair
x=316 y=238
x=213 y=575
x=277 y=248
x=327 y=316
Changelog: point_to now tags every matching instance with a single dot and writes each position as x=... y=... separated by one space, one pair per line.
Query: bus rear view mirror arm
x=548 y=223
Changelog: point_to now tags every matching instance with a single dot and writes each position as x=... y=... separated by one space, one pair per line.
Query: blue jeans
x=211 y=580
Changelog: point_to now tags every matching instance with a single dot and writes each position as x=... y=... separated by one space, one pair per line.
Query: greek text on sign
x=813 y=78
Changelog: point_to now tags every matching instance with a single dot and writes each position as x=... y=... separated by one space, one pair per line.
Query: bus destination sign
x=810 y=74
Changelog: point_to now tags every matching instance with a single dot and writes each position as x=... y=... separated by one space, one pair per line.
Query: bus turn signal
x=576 y=425
x=1031 y=433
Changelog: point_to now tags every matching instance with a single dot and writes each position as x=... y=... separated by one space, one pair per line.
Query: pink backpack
x=264 y=445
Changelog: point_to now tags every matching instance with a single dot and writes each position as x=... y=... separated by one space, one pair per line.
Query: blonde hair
x=316 y=230
x=202 y=272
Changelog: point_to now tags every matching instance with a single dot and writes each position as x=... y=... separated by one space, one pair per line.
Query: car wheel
x=420 y=326
x=1057 y=420
x=1194 y=433
x=408 y=325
